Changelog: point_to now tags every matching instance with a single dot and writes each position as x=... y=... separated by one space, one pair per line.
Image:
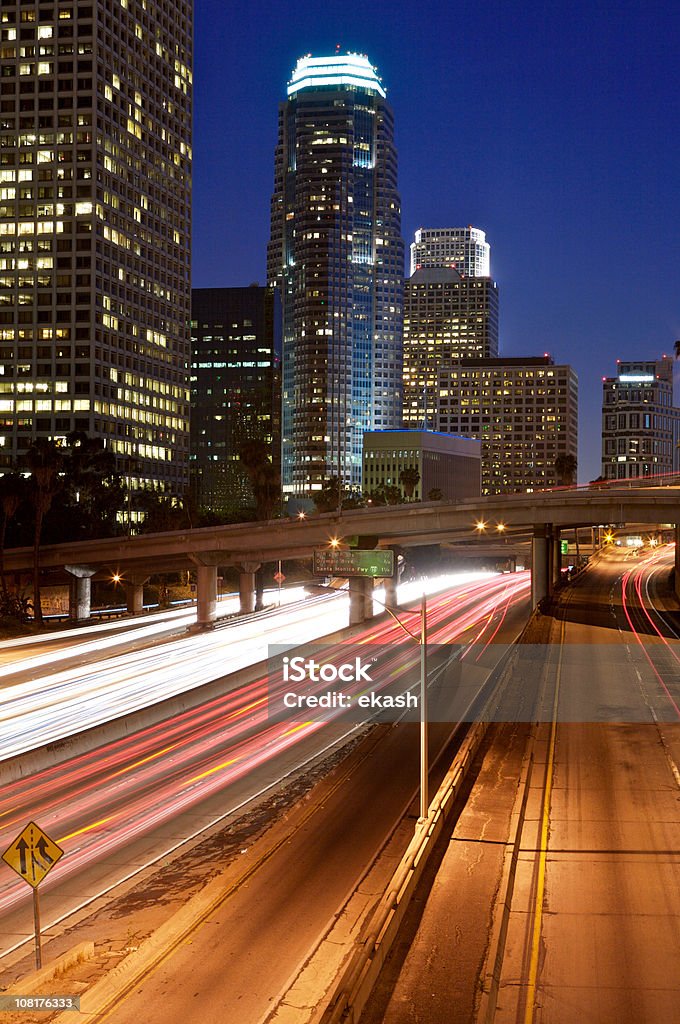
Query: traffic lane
x=433 y=972
x=236 y=963
x=194 y=743
x=89 y=814
x=610 y=930
x=164 y=841
x=611 y=925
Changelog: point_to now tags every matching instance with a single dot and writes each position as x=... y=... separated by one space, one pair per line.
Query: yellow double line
x=530 y=1004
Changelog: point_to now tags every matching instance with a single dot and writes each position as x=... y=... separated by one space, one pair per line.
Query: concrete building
x=524 y=412
x=445 y=463
x=446 y=318
x=464 y=249
x=640 y=423
x=337 y=256
x=95 y=166
x=235 y=389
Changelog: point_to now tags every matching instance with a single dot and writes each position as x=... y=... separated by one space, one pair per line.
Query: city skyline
x=565 y=141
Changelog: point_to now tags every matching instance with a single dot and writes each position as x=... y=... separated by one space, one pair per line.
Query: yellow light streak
x=144 y=760
x=87 y=828
x=211 y=771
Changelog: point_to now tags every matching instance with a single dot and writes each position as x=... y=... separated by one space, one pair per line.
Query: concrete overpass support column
x=246 y=586
x=556 y=558
x=206 y=594
x=360 y=599
x=540 y=565
x=676 y=574
x=134 y=593
x=79 y=592
x=391 y=586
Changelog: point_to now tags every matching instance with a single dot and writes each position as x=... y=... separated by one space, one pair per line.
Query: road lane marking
x=530 y=1005
x=87 y=828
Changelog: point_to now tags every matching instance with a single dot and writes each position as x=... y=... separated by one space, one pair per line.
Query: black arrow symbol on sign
x=41 y=847
x=22 y=846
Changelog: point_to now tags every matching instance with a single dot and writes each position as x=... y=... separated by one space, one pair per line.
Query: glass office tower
x=95 y=225
x=337 y=256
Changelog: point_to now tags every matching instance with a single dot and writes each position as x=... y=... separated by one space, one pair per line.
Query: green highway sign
x=353 y=562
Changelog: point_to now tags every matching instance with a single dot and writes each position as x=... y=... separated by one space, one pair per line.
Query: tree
x=12 y=493
x=565 y=469
x=265 y=484
x=93 y=488
x=435 y=494
x=264 y=480
x=676 y=349
x=44 y=460
x=328 y=498
x=409 y=479
x=393 y=495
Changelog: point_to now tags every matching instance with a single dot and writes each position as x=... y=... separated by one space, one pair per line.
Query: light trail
x=635 y=576
x=100 y=802
x=52 y=707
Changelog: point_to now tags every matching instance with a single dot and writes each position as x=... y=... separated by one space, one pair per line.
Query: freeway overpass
x=245 y=546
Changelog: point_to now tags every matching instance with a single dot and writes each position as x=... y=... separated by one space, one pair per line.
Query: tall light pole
x=421 y=640
x=424 y=759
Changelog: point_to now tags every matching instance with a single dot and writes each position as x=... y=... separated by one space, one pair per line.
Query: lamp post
x=421 y=640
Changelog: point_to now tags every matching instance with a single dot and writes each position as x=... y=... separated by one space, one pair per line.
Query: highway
x=132 y=803
x=591 y=825
x=68 y=689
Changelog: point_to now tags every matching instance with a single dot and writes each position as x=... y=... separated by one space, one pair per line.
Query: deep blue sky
x=552 y=126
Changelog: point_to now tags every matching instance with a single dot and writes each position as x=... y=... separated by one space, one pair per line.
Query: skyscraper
x=446 y=318
x=337 y=255
x=235 y=389
x=640 y=422
x=464 y=249
x=95 y=162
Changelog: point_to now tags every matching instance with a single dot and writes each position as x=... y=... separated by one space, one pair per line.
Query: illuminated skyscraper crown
x=348 y=69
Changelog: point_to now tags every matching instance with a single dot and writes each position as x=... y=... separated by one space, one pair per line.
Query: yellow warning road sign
x=32 y=854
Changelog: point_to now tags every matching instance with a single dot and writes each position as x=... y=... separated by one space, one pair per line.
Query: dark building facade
x=337 y=255
x=235 y=389
x=95 y=229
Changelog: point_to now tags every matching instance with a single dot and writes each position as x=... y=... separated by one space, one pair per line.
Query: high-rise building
x=446 y=318
x=464 y=249
x=235 y=389
x=95 y=163
x=337 y=256
x=524 y=411
x=640 y=423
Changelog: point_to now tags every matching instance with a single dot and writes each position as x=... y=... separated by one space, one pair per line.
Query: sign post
x=279 y=578
x=32 y=855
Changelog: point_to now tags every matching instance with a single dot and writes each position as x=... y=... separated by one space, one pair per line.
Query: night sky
x=553 y=127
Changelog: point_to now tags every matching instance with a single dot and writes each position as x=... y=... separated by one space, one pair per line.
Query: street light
x=480 y=526
x=421 y=640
